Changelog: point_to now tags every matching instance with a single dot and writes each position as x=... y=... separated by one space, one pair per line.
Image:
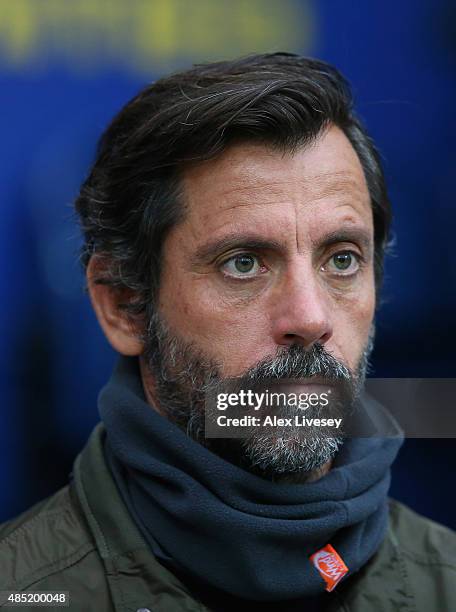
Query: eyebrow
x=209 y=251
x=350 y=234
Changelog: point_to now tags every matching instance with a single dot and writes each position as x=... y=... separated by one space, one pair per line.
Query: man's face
x=276 y=249
x=270 y=274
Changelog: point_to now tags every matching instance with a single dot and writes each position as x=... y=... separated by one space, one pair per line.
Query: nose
x=302 y=312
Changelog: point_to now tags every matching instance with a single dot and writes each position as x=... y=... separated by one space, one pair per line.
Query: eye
x=344 y=263
x=242 y=265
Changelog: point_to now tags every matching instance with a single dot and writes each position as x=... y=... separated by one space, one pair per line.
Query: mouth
x=312 y=384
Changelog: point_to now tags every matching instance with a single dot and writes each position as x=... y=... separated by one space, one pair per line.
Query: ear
x=115 y=323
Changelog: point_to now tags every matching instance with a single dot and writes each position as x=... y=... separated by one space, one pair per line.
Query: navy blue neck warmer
x=230 y=529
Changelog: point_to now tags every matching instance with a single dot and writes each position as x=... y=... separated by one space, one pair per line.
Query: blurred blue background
x=67 y=67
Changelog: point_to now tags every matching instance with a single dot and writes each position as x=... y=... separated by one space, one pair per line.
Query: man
x=235 y=224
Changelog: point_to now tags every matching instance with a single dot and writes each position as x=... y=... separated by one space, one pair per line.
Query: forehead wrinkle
x=248 y=190
x=327 y=183
x=261 y=194
x=336 y=182
x=268 y=197
x=296 y=202
x=255 y=184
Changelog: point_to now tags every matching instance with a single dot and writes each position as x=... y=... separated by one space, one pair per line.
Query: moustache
x=297 y=362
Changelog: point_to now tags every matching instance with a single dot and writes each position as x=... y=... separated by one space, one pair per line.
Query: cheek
x=360 y=318
x=228 y=329
x=352 y=322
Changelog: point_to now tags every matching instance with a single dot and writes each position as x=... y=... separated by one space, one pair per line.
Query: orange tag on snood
x=330 y=566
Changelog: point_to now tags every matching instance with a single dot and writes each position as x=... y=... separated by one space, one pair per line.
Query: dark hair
x=132 y=196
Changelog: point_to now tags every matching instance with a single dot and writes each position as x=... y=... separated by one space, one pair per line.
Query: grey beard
x=183 y=377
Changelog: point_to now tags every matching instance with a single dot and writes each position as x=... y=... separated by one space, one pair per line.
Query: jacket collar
x=135 y=577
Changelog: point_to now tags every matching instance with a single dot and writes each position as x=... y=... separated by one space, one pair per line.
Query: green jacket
x=83 y=541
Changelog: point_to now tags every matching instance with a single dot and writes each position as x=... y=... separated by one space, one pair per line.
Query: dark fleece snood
x=228 y=528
